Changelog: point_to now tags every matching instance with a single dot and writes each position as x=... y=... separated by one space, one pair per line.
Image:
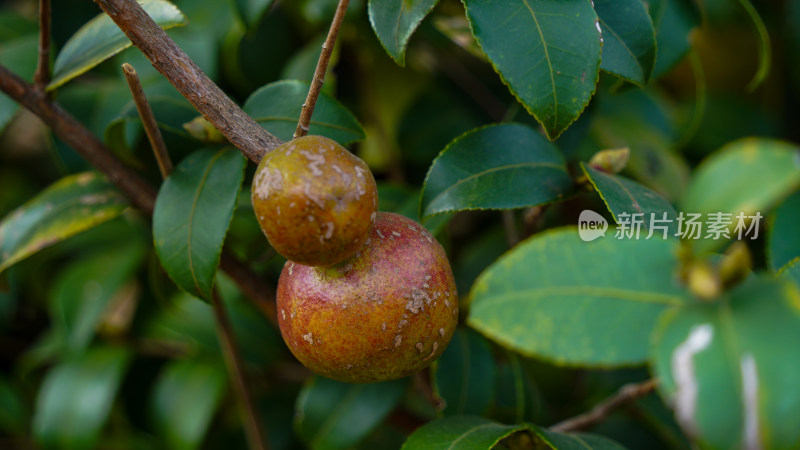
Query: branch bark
x=42 y=74
x=148 y=121
x=141 y=194
x=625 y=395
x=319 y=72
x=240 y=129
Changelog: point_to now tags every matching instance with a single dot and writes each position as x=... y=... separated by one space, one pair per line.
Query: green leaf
x=629 y=39
x=395 y=20
x=576 y=441
x=580 y=303
x=71 y=205
x=14 y=413
x=459 y=433
x=276 y=107
x=332 y=415
x=517 y=398
x=782 y=236
x=749 y=175
x=251 y=11
x=19 y=56
x=192 y=214
x=83 y=291
x=728 y=368
x=463 y=373
x=76 y=397
x=791 y=270
x=496 y=167
x=100 y=39
x=624 y=196
x=405 y=201
x=553 y=73
x=674 y=21
x=184 y=399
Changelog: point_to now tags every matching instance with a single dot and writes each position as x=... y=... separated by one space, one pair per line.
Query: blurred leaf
x=405 y=201
x=782 y=236
x=722 y=368
x=82 y=292
x=332 y=415
x=69 y=206
x=551 y=72
x=184 y=400
x=749 y=175
x=623 y=196
x=101 y=39
x=459 y=433
x=276 y=107
x=192 y=214
x=517 y=398
x=792 y=270
x=251 y=11
x=14 y=414
x=579 y=303
x=463 y=373
x=394 y=22
x=574 y=441
x=14 y=25
x=629 y=40
x=476 y=255
x=76 y=397
x=303 y=64
x=674 y=21
x=17 y=54
x=495 y=167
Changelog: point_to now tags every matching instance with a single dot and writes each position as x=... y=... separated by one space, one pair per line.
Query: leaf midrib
x=547 y=58
x=190 y=228
x=609 y=293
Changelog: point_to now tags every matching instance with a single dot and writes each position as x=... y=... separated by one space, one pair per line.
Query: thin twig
x=42 y=74
x=148 y=121
x=141 y=194
x=233 y=360
x=239 y=128
x=319 y=73
x=625 y=395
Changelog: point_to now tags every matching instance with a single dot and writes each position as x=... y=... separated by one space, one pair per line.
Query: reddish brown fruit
x=315 y=201
x=384 y=314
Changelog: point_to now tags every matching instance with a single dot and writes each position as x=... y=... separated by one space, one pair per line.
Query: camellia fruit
x=384 y=314
x=315 y=201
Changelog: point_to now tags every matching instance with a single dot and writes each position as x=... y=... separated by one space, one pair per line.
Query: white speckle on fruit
x=395 y=233
x=328 y=230
x=397 y=340
x=309 y=338
x=441 y=332
x=420 y=347
x=401 y=324
x=291 y=268
x=283 y=314
x=380 y=234
x=433 y=352
x=383 y=326
x=315 y=161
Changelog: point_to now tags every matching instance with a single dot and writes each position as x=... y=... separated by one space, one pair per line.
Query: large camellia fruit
x=315 y=201
x=384 y=314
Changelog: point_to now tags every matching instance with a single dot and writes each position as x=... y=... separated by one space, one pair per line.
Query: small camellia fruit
x=315 y=201
x=384 y=314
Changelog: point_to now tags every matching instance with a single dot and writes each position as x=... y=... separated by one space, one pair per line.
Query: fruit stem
x=319 y=73
x=148 y=120
x=233 y=361
x=42 y=75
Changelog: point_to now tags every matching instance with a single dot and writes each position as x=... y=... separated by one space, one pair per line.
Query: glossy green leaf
x=553 y=73
x=184 y=399
x=76 y=397
x=749 y=175
x=101 y=39
x=17 y=54
x=782 y=233
x=629 y=39
x=496 y=167
x=83 y=291
x=574 y=441
x=333 y=415
x=192 y=214
x=276 y=107
x=395 y=20
x=580 y=303
x=251 y=11
x=69 y=206
x=463 y=373
x=728 y=368
x=674 y=21
x=626 y=198
x=459 y=433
